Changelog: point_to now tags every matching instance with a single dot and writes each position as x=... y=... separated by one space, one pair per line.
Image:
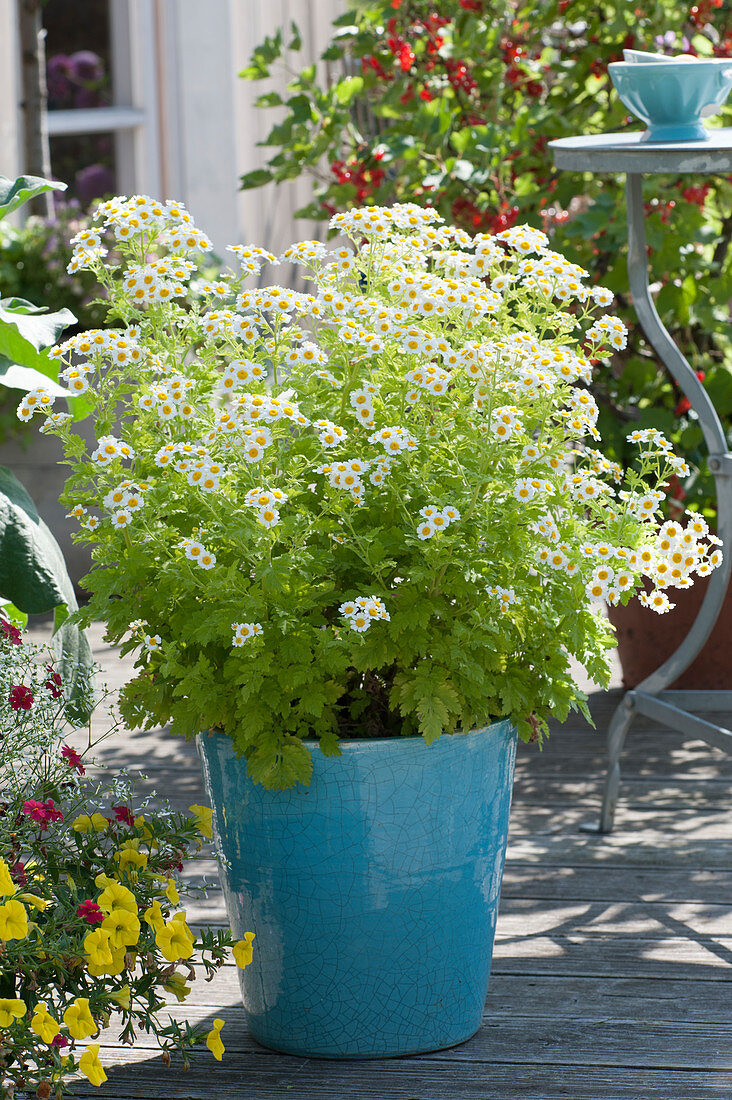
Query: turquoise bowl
x=373 y=893
x=671 y=96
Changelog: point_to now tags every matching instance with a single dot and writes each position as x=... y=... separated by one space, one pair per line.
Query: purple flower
x=666 y=43
x=94 y=181
x=85 y=66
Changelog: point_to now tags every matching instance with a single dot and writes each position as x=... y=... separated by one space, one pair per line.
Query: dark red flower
x=20 y=697
x=682 y=406
x=54 y=683
x=11 y=632
x=90 y=912
x=73 y=759
x=59 y=1041
x=17 y=873
x=124 y=813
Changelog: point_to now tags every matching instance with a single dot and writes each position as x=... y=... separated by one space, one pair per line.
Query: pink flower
x=73 y=759
x=42 y=812
x=20 y=697
x=90 y=912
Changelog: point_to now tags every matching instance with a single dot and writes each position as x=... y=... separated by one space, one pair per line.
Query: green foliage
x=454 y=104
x=33 y=577
x=33 y=573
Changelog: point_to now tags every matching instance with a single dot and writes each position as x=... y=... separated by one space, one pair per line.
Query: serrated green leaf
x=295 y=42
x=257 y=178
x=281 y=765
x=347 y=90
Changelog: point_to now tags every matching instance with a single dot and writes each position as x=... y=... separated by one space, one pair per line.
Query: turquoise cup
x=373 y=893
x=670 y=96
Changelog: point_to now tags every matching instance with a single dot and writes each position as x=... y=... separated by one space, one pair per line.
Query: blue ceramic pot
x=373 y=892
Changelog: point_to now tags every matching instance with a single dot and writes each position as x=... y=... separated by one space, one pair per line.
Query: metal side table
x=675 y=710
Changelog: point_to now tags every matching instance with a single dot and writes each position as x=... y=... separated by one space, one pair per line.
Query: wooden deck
x=613 y=959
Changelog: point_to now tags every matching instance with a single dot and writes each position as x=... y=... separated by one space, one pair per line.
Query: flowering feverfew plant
x=372 y=510
x=89 y=894
x=453 y=105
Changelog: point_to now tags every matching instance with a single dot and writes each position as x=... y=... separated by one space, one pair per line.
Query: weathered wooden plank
x=668 y=1001
x=601 y=883
x=648 y=847
x=638 y=791
x=539 y=1039
x=689 y=822
x=611 y=956
x=263 y=1076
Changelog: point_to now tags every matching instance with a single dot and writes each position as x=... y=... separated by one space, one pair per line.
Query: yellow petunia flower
x=116 y=896
x=7 y=886
x=33 y=899
x=175 y=939
x=131 y=860
x=79 y=1019
x=204 y=819
x=243 y=950
x=176 y=984
x=123 y=928
x=108 y=970
x=123 y=997
x=91 y=1067
x=13 y=921
x=213 y=1040
x=11 y=1008
x=44 y=1025
x=171 y=892
x=154 y=916
x=98 y=947
x=97 y=823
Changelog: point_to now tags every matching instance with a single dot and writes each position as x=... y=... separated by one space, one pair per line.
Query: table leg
x=720 y=463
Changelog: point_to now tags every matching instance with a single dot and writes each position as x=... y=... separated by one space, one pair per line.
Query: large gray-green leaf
x=26 y=378
x=21 y=305
x=13 y=193
x=33 y=576
x=23 y=335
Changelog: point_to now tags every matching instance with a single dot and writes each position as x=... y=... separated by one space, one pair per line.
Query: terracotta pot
x=646 y=640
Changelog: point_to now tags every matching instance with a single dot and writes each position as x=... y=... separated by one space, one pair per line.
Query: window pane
x=78 y=54
x=87 y=163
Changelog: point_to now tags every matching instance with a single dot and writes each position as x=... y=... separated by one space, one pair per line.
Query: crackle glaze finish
x=373 y=892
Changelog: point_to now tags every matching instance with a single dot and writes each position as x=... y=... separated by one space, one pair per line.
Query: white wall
x=10 y=151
